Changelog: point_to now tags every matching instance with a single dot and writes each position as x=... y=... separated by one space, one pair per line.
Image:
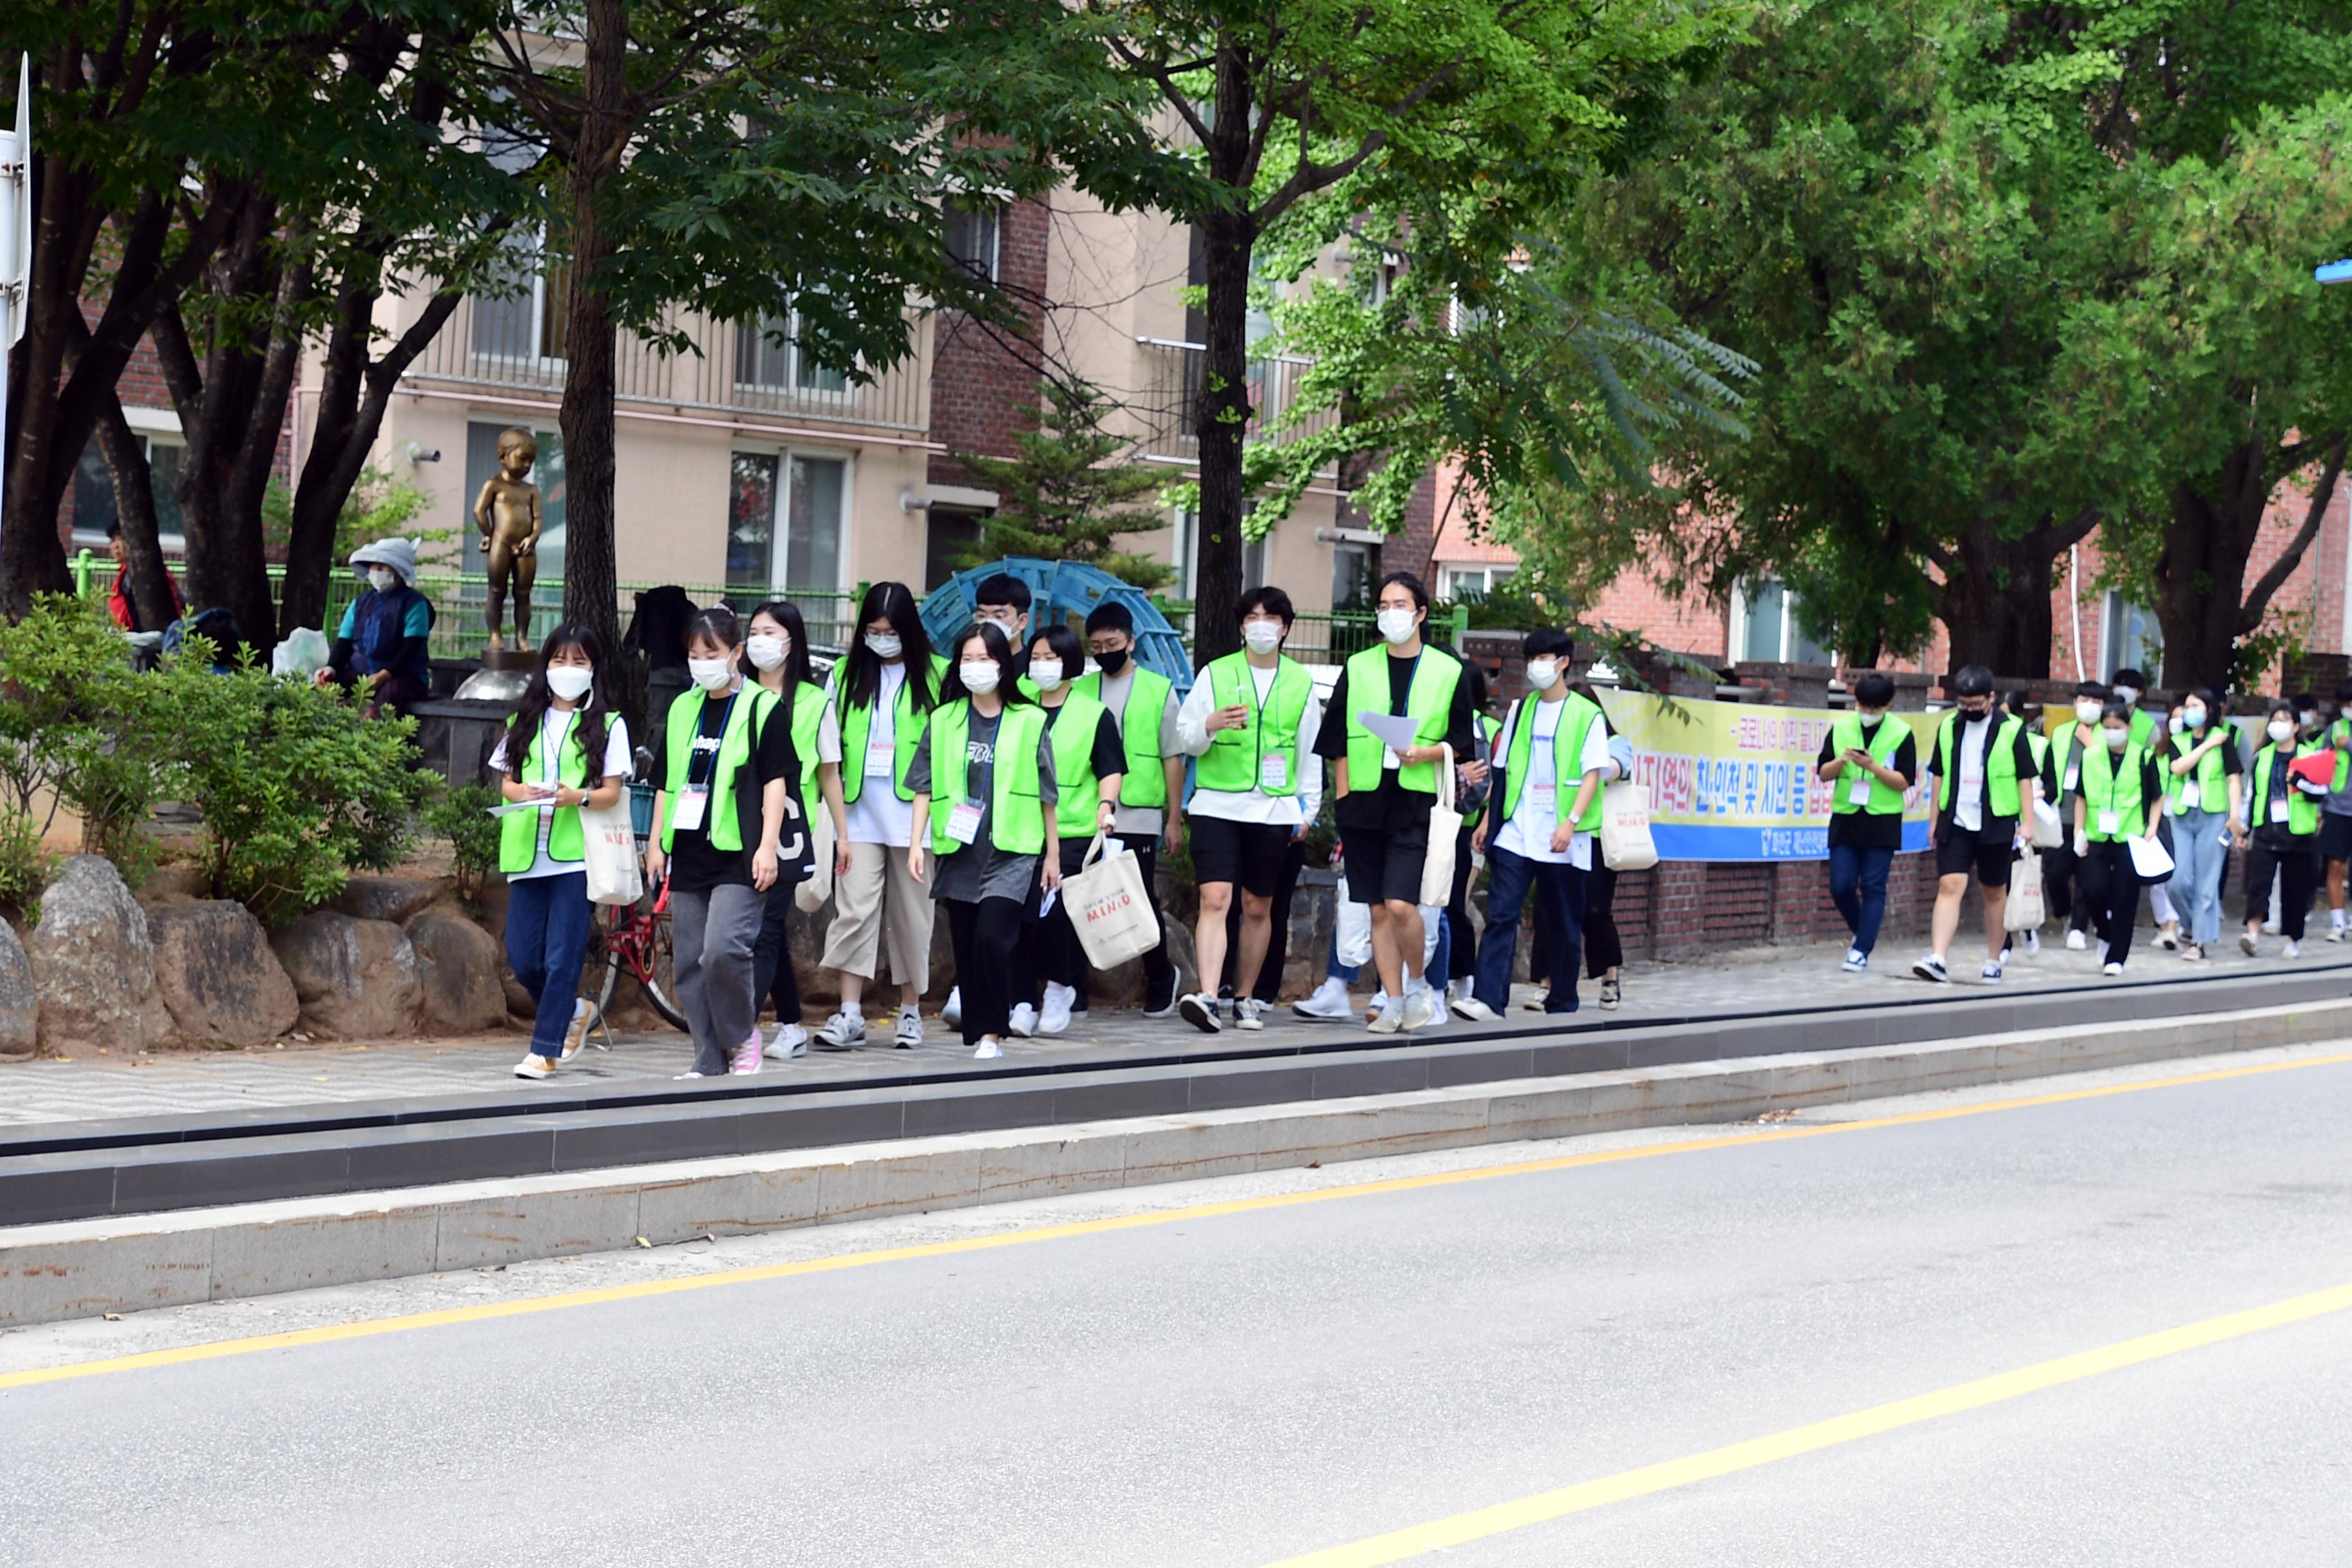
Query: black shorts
x=1248 y=854
x=2335 y=837
x=1988 y=853
x=1386 y=864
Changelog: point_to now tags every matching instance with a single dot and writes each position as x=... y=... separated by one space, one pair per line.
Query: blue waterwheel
x=1065 y=591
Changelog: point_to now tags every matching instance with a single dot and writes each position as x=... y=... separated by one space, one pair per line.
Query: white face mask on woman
x=1046 y=673
x=767 y=652
x=710 y=674
x=1395 y=624
x=885 y=644
x=570 y=681
x=383 y=579
x=980 y=679
x=2118 y=739
x=2281 y=732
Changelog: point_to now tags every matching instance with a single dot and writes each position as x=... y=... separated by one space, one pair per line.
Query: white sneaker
x=791 y=1041
x=1378 y=1004
x=2290 y=950
x=2246 y=943
x=1856 y=961
x=2169 y=939
x=1024 y=1021
x=1200 y=1010
x=534 y=1064
x=1420 y=1005
x=2076 y=941
x=1330 y=1001
x=1388 y=1020
x=951 y=1013
x=2032 y=942
x=575 y=1037
x=2004 y=955
x=1931 y=969
x=2103 y=950
x=1056 y=1017
x=1249 y=1013
x=987 y=1051
x=1457 y=989
x=1989 y=975
x=1470 y=1007
x=2335 y=931
x=910 y=1029
x=2112 y=971
x=844 y=1031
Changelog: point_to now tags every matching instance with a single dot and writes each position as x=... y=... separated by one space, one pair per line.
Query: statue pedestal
x=522 y=659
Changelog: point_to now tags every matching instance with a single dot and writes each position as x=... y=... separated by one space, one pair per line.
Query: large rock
x=356 y=979
x=392 y=898
x=20 y=1003
x=218 y=976
x=93 y=963
x=460 y=968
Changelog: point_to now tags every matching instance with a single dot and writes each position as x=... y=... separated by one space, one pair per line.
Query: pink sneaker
x=747 y=1056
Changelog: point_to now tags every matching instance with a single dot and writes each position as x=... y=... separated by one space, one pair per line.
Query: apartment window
x=1765 y=630
x=949 y=536
x=1354 y=568
x=1471 y=582
x=94 y=508
x=785 y=522
x=769 y=356
x=975 y=232
x=2133 y=640
x=525 y=316
x=482 y=462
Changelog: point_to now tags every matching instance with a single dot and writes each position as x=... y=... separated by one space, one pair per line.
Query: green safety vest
x=2302 y=810
x=1074 y=765
x=1144 y=785
x=1845 y=735
x=2111 y=782
x=753 y=703
x=1493 y=727
x=906 y=734
x=519 y=832
x=2143 y=729
x=1235 y=762
x=2340 y=735
x=2001 y=798
x=1427 y=703
x=808 y=718
x=2212 y=778
x=1578 y=716
x=1016 y=823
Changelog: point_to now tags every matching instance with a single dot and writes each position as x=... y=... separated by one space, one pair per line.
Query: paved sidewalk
x=1762 y=980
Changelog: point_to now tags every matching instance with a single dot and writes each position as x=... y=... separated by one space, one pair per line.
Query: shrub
x=81 y=728
x=462 y=815
x=24 y=866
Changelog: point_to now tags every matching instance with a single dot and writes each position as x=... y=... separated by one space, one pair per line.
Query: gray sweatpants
x=713 y=934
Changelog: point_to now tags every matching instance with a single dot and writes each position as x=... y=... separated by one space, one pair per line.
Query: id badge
x=1859 y=793
x=2074 y=778
x=2110 y=823
x=1547 y=801
x=2190 y=796
x=881 y=759
x=963 y=821
x=687 y=814
x=1389 y=758
x=1274 y=773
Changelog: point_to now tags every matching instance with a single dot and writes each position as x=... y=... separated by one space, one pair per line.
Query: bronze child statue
x=507 y=513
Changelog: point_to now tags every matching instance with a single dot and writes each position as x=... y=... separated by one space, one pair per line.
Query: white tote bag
x=1108 y=905
x=1352 y=929
x=614 y=874
x=1444 y=828
x=2024 y=911
x=811 y=894
x=2049 y=831
x=1625 y=841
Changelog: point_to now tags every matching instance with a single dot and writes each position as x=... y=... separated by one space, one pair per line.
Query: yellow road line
x=1480 y=1523
x=644 y=1289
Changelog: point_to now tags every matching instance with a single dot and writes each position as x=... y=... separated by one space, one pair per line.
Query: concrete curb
x=80 y=1267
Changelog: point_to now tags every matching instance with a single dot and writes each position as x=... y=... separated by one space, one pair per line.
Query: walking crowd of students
x=975 y=777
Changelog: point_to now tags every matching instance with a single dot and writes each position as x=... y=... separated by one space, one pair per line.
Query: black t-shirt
x=1109 y=754
x=696 y=865
x=1389 y=806
x=1870 y=829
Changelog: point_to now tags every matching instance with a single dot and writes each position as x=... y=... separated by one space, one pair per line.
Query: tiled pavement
x=1767 y=980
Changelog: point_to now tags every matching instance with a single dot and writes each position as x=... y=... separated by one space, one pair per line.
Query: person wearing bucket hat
x=380 y=646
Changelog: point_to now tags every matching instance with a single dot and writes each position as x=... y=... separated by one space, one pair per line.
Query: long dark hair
x=862 y=685
x=994 y=643
x=592 y=716
x=797 y=671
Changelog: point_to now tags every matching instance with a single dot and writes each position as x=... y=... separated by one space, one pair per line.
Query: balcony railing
x=1170 y=405
x=502 y=345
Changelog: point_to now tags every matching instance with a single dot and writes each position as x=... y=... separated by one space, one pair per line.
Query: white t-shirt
x=878 y=816
x=1968 y=802
x=1543 y=798
x=557 y=727
x=1254 y=806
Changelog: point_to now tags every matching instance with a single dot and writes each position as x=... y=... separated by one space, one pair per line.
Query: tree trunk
x=1996 y=601
x=32 y=560
x=1223 y=413
x=2203 y=602
x=134 y=509
x=590 y=576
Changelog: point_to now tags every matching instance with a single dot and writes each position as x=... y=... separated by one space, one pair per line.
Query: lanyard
x=724 y=720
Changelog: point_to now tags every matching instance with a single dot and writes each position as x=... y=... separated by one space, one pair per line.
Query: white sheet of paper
x=1045 y=904
x=511 y=807
x=1392 y=731
x=2149 y=859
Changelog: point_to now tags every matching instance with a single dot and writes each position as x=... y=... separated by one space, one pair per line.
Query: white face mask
x=1045 y=672
x=2118 y=739
x=2192 y=718
x=2127 y=693
x=710 y=674
x=1396 y=625
x=1262 y=637
x=1542 y=672
x=2310 y=718
x=383 y=579
x=570 y=681
x=2281 y=732
x=767 y=652
x=2179 y=724
x=885 y=644
x=979 y=679
x=2086 y=711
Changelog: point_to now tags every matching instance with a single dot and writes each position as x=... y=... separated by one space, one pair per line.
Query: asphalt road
x=1318 y=1365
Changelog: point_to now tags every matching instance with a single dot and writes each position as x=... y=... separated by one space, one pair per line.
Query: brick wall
x=985 y=395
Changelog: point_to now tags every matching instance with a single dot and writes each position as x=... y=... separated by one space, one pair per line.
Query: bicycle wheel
x=659 y=979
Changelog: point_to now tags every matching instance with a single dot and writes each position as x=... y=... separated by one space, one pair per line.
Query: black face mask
x=1112 y=662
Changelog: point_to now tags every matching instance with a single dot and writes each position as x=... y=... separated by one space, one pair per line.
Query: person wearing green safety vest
x=882 y=694
x=2335 y=816
x=2061 y=882
x=987 y=810
x=1869 y=760
x=776 y=656
x=1004 y=600
x=1253 y=721
x=1985 y=782
x=1089 y=769
x=1454 y=967
x=1549 y=761
x=1384 y=792
x=720 y=835
x=2283 y=794
x=2147 y=728
x=563 y=749
x=2121 y=798
x=2204 y=785
x=1142 y=703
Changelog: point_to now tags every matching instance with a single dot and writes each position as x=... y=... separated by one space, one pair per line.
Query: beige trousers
x=877 y=896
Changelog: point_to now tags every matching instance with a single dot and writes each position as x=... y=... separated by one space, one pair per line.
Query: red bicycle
x=633 y=939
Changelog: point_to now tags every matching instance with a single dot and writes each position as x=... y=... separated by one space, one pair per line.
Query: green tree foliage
x=1067 y=495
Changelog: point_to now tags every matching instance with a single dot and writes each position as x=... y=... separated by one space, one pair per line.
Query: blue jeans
x=1561 y=890
x=2197 y=857
x=547 y=937
x=1858 y=888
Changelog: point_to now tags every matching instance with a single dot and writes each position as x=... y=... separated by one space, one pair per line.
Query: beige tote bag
x=1108 y=907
